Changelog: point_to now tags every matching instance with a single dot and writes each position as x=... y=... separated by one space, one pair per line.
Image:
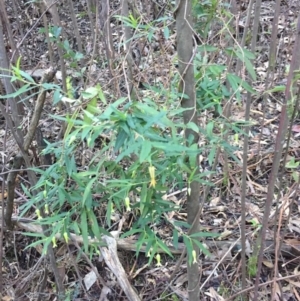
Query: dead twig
x=111 y=258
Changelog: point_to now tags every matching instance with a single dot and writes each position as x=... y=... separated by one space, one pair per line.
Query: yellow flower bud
x=66 y=237
x=152 y=176
x=194 y=254
x=127 y=203
x=54 y=242
x=149 y=252
x=112 y=207
x=236 y=139
x=46 y=209
x=38 y=213
x=158 y=264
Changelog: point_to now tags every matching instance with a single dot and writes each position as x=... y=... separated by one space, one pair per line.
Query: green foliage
x=29 y=85
x=204 y=13
x=130 y=173
x=211 y=91
x=54 y=32
x=144 y=29
x=293 y=164
x=252 y=266
x=215 y=83
x=72 y=56
x=142 y=153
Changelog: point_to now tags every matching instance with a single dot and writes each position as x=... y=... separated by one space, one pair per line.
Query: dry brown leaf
x=268 y=264
x=213 y=294
x=181 y=280
x=224 y=234
x=6 y=298
x=214 y=202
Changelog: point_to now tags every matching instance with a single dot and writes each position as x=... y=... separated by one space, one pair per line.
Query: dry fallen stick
x=290 y=248
x=111 y=258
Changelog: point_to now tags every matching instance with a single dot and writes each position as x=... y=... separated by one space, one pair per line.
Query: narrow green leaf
x=70 y=165
x=141 y=240
x=201 y=247
x=250 y=69
x=85 y=174
x=185 y=168
x=109 y=110
x=211 y=155
x=150 y=244
x=164 y=247
x=143 y=198
x=204 y=234
x=193 y=126
x=94 y=224
x=234 y=82
x=23 y=89
x=152 y=254
x=87 y=191
x=56 y=97
x=207 y=48
x=109 y=212
x=36 y=243
x=18 y=66
x=189 y=248
x=26 y=76
x=32 y=234
x=130 y=122
x=276 y=89
x=145 y=151
x=121 y=137
x=133 y=148
x=248 y=88
x=75 y=228
x=101 y=94
x=131 y=232
x=193 y=156
x=181 y=224
x=48 y=86
x=89 y=93
x=248 y=54
x=166 y=32
x=209 y=129
x=90 y=111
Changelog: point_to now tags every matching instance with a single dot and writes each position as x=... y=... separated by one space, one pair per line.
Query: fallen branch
x=290 y=247
x=111 y=258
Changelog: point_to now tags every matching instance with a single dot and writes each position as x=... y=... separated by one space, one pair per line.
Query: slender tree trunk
x=183 y=13
x=4 y=65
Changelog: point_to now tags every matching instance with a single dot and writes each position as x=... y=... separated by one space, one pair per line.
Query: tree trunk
x=183 y=12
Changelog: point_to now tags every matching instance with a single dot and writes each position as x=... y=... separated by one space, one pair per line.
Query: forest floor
x=26 y=272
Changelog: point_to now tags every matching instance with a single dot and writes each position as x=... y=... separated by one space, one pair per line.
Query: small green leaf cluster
x=29 y=86
x=211 y=89
x=204 y=12
x=72 y=56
